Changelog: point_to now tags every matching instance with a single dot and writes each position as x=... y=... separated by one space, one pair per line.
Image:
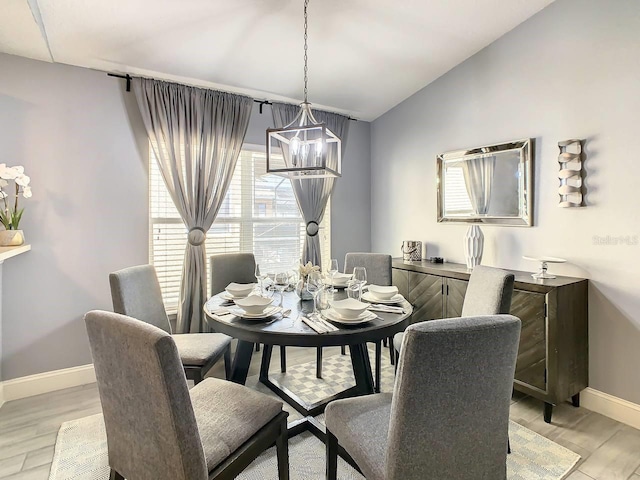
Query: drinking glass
x=281 y=282
x=360 y=276
x=333 y=269
x=314 y=284
x=260 y=276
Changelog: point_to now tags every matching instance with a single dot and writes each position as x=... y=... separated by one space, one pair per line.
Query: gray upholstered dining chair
x=156 y=428
x=489 y=293
x=448 y=416
x=226 y=268
x=135 y=292
x=378 y=266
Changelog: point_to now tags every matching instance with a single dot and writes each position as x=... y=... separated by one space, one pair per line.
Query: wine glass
x=260 y=276
x=314 y=284
x=281 y=282
x=333 y=269
x=360 y=276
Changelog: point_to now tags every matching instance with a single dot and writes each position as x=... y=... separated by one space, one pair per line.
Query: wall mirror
x=490 y=185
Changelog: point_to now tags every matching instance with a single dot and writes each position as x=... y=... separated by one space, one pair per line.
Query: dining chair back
x=378 y=266
x=135 y=292
x=158 y=429
x=489 y=292
x=226 y=268
x=448 y=416
x=149 y=419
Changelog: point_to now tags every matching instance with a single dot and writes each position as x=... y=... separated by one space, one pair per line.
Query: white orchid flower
x=26 y=192
x=10 y=173
x=23 y=180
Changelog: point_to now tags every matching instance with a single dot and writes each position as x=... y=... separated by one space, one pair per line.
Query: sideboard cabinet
x=553 y=357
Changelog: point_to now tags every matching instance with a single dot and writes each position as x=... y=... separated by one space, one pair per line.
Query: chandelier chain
x=306 y=3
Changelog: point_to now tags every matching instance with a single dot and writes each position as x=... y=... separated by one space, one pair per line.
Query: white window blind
x=457 y=198
x=259 y=215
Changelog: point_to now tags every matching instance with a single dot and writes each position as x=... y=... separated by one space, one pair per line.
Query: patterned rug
x=81 y=447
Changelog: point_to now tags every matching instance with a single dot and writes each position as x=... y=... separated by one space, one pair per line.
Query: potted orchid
x=301 y=287
x=10 y=213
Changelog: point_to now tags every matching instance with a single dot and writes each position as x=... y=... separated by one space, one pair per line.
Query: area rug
x=81 y=446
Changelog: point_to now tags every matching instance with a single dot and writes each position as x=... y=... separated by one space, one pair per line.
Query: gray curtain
x=197 y=136
x=478 y=178
x=312 y=194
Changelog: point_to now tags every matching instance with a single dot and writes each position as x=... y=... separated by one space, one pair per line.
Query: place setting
x=241 y=302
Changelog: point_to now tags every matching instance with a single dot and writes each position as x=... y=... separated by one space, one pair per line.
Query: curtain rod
x=128 y=78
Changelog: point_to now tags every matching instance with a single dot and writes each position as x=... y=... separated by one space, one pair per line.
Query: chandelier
x=305 y=148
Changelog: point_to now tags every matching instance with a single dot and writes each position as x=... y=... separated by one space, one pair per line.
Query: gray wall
x=571 y=71
x=81 y=139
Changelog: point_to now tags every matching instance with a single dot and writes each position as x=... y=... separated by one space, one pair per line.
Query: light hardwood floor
x=610 y=450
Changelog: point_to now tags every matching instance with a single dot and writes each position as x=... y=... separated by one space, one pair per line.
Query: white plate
x=238 y=312
x=369 y=297
x=332 y=315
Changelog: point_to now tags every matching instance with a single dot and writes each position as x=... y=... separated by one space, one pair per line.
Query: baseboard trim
x=47 y=382
x=610 y=406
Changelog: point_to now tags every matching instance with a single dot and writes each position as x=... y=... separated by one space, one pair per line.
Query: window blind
x=259 y=214
x=456 y=198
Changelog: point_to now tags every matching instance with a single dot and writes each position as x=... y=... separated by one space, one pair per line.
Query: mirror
x=490 y=185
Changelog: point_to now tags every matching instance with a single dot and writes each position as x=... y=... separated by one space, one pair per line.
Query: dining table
x=292 y=331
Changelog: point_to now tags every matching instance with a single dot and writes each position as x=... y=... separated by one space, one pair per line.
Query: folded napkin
x=219 y=310
x=377 y=307
x=319 y=325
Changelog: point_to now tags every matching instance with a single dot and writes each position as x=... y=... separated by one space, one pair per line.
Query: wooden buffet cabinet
x=553 y=357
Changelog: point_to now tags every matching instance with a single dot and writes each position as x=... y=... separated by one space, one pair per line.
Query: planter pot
x=11 y=238
x=473 y=246
x=302 y=292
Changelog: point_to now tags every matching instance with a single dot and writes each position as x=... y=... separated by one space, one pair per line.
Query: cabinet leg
x=575 y=400
x=548 y=410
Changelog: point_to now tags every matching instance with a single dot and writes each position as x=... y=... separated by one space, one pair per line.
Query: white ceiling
x=365 y=56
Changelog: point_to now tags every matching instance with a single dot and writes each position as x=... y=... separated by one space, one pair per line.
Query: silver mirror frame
x=525 y=150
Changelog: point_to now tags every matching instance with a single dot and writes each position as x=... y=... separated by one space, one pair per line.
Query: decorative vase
x=473 y=246
x=11 y=238
x=301 y=290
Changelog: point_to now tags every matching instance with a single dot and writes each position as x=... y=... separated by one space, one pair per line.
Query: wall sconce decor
x=570 y=174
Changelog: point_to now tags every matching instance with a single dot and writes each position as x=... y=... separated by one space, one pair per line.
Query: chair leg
x=332 y=456
x=343 y=350
x=319 y=362
x=376 y=388
x=508 y=446
x=397 y=355
x=283 y=359
x=227 y=363
x=392 y=351
x=385 y=342
x=257 y=347
x=197 y=377
x=115 y=475
x=282 y=451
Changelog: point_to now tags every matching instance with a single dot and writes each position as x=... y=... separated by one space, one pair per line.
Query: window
x=259 y=214
x=457 y=198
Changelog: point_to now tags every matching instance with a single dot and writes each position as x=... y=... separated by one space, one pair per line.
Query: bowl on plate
x=383 y=292
x=349 y=308
x=254 y=304
x=341 y=278
x=239 y=290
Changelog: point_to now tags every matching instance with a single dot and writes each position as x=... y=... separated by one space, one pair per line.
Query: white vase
x=11 y=238
x=473 y=246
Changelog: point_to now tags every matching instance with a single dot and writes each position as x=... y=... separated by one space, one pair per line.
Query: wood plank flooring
x=610 y=450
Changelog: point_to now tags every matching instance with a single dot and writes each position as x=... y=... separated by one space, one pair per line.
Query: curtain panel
x=312 y=194
x=197 y=135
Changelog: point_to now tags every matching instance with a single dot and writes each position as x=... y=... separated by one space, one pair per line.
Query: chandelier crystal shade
x=305 y=148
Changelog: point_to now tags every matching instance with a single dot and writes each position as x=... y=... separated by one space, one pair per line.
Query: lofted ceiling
x=365 y=56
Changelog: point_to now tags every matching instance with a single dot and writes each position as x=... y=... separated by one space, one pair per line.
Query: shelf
x=8 y=252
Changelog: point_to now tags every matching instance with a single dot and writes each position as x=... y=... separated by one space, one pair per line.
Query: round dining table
x=292 y=331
